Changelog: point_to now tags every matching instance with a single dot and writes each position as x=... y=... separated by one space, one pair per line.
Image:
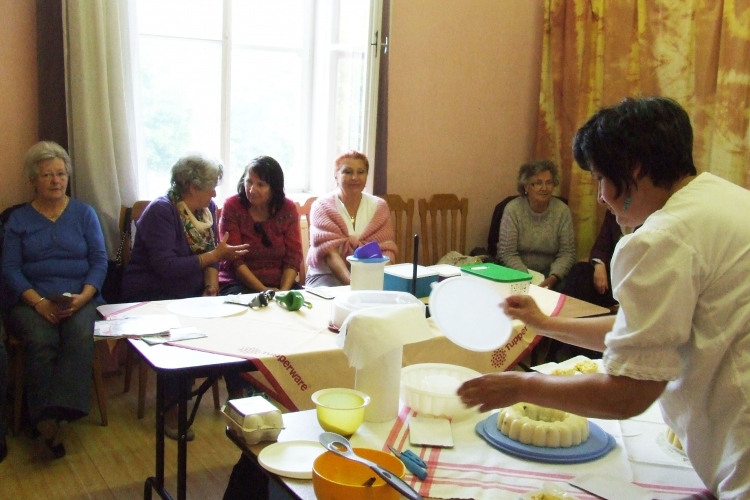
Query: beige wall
x=18 y=96
x=463 y=92
x=463 y=98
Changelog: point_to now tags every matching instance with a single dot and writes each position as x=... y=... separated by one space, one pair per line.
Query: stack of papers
x=136 y=326
x=173 y=335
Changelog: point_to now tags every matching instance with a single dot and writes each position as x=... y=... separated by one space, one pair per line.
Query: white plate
x=469 y=314
x=291 y=458
x=205 y=307
x=550 y=489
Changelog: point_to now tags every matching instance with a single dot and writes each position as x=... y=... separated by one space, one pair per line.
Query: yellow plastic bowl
x=340 y=410
x=338 y=478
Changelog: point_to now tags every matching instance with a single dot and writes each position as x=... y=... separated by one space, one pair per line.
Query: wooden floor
x=113 y=462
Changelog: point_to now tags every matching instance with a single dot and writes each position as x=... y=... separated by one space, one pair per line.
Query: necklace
x=55 y=215
x=352 y=217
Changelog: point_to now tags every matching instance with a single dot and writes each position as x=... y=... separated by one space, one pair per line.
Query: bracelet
x=38 y=302
x=208 y=286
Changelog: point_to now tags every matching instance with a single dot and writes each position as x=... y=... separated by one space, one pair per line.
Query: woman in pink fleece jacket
x=343 y=220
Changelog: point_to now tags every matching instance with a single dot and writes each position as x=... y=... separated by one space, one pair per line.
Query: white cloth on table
x=368 y=334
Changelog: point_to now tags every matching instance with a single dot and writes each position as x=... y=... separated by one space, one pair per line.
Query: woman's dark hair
x=269 y=171
x=653 y=132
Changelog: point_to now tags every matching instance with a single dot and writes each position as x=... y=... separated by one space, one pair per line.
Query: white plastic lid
x=468 y=312
x=407 y=271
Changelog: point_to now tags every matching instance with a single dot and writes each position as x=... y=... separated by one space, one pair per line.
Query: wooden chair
x=304 y=228
x=402 y=215
x=131 y=358
x=440 y=228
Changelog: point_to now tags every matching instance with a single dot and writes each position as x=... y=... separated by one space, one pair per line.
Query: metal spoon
x=340 y=446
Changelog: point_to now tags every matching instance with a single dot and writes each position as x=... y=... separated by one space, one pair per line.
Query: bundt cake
x=539 y=426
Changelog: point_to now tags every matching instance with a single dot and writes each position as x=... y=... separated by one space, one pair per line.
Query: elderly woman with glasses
x=176 y=252
x=261 y=216
x=536 y=231
x=54 y=263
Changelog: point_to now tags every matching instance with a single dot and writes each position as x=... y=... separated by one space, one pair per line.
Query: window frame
x=319 y=58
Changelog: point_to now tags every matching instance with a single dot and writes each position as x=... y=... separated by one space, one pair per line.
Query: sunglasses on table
x=258 y=227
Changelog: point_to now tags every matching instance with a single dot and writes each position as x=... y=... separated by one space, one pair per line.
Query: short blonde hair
x=44 y=151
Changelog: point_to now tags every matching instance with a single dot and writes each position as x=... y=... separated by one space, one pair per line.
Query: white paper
x=115 y=311
x=425 y=431
x=136 y=325
x=174 y=335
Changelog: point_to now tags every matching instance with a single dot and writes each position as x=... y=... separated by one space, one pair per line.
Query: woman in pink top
x=343 y=220
x=261 y=216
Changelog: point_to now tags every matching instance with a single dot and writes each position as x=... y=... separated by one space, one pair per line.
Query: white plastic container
x=445 y=271
x=367 y=274
x=253 y=418
x=343 y=305
x=430 y=389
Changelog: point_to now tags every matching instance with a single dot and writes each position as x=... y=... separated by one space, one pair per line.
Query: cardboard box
x=508 y=281
x=398 y=278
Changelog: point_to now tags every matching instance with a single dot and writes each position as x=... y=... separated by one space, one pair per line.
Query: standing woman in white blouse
x=682 y=333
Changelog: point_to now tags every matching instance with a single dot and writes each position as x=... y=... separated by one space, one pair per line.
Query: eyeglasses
x=49 y=175
x=539 y=184
x=258 y=227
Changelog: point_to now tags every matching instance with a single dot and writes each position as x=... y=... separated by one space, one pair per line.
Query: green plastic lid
x=496 y=273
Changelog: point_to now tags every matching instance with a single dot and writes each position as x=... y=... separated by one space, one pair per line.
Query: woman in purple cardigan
x=176 y=250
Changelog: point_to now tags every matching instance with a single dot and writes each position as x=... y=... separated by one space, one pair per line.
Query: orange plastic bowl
x=338 y=478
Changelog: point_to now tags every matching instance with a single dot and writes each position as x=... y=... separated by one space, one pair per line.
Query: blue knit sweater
x=53 y=257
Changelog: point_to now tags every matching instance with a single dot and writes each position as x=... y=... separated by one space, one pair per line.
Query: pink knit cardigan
x=328 y=231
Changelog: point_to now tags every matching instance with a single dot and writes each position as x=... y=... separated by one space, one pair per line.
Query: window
x=236 y=79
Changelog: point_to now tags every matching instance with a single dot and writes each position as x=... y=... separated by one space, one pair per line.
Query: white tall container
x=367 y=274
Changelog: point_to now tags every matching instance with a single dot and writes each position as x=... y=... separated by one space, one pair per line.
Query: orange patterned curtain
x=597 y=52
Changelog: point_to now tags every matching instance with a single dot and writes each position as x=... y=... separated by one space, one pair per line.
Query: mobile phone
x=320 y=292
x=61 y=299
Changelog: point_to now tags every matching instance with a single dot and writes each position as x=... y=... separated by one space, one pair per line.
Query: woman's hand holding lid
x=525 y=309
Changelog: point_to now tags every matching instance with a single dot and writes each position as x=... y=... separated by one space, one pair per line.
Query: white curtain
x=101 y=111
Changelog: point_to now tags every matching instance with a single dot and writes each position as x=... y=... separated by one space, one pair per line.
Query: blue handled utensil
x=415 y=457
x=412 y=462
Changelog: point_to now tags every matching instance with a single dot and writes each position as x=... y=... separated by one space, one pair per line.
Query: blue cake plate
x=596 y=446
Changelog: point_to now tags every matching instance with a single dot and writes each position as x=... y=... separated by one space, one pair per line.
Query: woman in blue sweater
x=54 y=263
